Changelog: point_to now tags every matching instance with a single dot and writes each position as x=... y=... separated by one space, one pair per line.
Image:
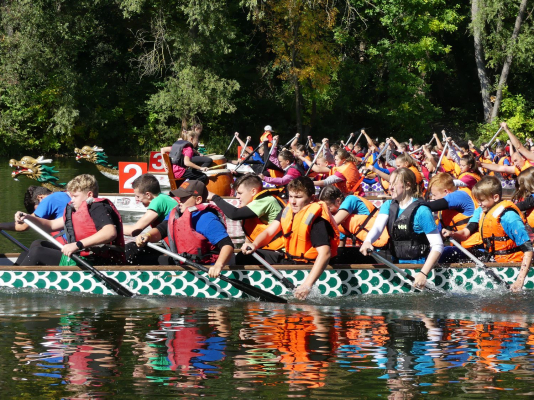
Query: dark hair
x=331 y=193
x=287 y=155
x=147 y=183
x=471 y=163
x=463 y=144
x=250 y=181
x=487 y=187
x=302 y=184
x=31 y=197
x=302 y=147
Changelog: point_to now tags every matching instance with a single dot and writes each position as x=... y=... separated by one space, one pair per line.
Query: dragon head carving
x=95 y=155
x=33 y=168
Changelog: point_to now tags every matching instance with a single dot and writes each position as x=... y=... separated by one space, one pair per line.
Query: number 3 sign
x=128 y=171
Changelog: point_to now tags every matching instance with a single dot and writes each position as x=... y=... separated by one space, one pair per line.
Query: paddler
x=455 y=206
x=195 y=228
x=147 y=191
x=184 y=163
x=501 y=226
x=310 y=234
x=43 y=203
x=414 y=236
x=258 y=207
x=93 y=228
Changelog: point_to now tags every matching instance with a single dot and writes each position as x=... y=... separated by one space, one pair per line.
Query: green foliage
x=518 y=114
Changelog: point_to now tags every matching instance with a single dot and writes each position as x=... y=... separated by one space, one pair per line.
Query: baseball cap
x=191 y=188
x=268 y=128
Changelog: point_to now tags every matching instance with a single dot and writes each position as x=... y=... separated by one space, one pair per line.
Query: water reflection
x=90 y=346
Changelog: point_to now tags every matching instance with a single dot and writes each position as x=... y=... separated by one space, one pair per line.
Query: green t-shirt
x=266 y=208
x=162 y=205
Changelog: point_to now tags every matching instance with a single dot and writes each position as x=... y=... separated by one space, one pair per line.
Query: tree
x=497 y=41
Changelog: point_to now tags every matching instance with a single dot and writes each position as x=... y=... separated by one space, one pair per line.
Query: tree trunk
x=479 y=58
x=508 y=63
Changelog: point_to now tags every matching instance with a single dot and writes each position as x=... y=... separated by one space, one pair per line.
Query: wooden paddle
x=274 y=271
x=399 y=271
x=488 y=271
x=244 y=287
x=112 y=283
x=11 y=238
x=217 y=166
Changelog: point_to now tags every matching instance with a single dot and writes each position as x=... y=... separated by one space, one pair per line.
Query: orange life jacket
x=296 y=230
x=267 y=136
x=455 y=221
x=254 y=226
x=495 y=239
x=358 y=225
x=503 y=174
x=449 y=166
x=525 y=166
x=352 y=176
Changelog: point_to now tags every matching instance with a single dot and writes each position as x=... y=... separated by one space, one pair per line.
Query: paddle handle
x=489 y=143
x=230 y=145
x=381 y=259
x=117 y=287
x=489 y=272
x=315 y=159
x=273 y=271
x=11 y=238
x=244 y=287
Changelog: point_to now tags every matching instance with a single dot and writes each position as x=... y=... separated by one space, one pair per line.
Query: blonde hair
x=83 y=183
x=442 y=181
x=487 y=187
x=409 y=180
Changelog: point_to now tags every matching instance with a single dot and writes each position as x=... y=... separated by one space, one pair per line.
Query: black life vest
x=404 y=243
x=176 y=156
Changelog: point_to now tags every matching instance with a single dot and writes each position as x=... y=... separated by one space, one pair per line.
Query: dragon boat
x=335 y=281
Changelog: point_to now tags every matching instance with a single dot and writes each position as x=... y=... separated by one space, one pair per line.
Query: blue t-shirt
x=461 y=201
x=353 y=205
x=257 y=157
x=511 y=223
x=52 y=206
x=423 y=223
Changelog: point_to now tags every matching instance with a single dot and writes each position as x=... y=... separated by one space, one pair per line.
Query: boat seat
x=173 y=181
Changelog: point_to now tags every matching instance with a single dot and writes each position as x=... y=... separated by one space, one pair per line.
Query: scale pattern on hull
x=332 y=283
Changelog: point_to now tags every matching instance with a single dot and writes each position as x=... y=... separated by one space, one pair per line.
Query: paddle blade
x=253 y=291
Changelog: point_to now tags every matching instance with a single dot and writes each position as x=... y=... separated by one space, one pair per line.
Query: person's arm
x=12 y=226
x=526 y=204
x=509 y=169
x=232 y=212
x=514 y=141
x=241 y=143
x=436 y=248
x=264 y=238
x=374 y=233
x=438 y=142
x=226 y=252
x=370 y=142
x=152 y=236
x=397 y=144
x=190 y=164
x=166 y=149
x=321 y=262
x=290 y=175
x=330 y=180
x=438 y=205
x=142 y=223
x=341 y=216
x=380 y=173
x=295 y=142
x=45 y=224
x=523 y=272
